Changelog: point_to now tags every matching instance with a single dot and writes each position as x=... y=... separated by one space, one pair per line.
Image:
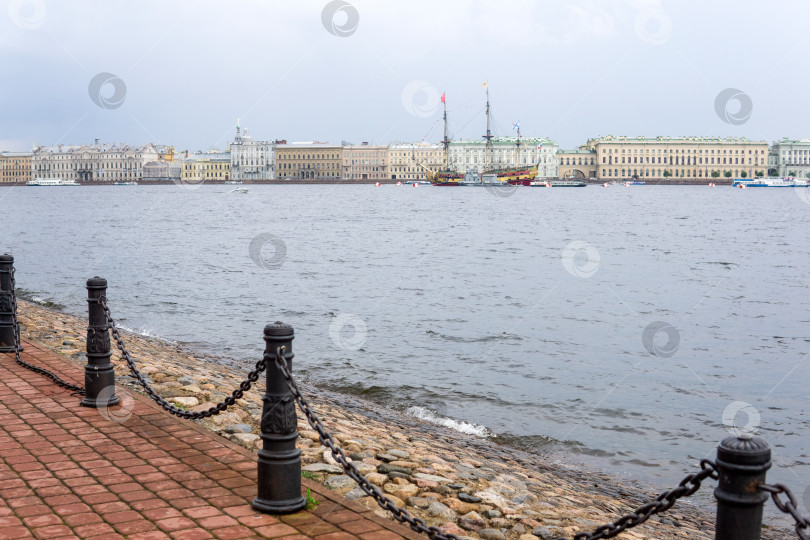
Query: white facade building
x=252 y=159
x=92 y=163
x=790 y=157
x=470 y=155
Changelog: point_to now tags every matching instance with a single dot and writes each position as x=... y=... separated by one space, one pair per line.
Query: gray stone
x=340 y=482
x=455 y=486
x=356 y=493
x=394 y=474
x=322 y=467
x=402 y=454
x=491 y=534
x=365 y=468
x=385 y=468
x=237 y=428
x=472 y=521
x=386 y=457
x=543 y=532
x=419 y=502
x=466 y=497
x=185 y=380
x=440 y=510
x=431 y=477
x=248 y=439
x=489 y=514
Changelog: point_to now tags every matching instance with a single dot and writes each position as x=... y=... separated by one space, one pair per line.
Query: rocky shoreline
x=463 y=484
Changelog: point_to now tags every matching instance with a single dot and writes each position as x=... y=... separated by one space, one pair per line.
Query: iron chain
x=663 y=502
x=689 y=485
x=243 y=387
x=788 y=507
x=400 y=514
x=17 y=347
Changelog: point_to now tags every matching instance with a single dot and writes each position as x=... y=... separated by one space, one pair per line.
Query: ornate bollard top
x=96 y=283
x=745 y=450
x=278 y=329
x=6 y=258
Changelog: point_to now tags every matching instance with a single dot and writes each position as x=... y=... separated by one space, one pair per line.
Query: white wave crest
x=459 y=425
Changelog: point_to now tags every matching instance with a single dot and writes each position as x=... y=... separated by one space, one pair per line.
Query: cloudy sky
x=182 y=72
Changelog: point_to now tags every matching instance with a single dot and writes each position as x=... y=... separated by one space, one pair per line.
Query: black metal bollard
x=8 y=336
x=741 y=463
x=99 y=378
x=279 y=473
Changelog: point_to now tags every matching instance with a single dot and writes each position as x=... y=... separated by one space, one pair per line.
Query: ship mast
x=488 y=136
x=446 y=140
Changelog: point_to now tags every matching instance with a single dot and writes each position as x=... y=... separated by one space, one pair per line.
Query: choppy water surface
x=464 y=307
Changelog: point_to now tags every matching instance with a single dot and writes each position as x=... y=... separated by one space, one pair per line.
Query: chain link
x=788 y=507
x=663 y=502
x=17 y=347
x=243 y=387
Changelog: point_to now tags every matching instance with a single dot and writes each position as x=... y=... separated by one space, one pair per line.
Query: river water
x=516 y=315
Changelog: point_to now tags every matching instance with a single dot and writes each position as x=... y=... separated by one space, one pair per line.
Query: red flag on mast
x=442 y=97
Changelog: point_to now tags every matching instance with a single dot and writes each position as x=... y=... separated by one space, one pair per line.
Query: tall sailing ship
x=515 y=175
x=447 y=176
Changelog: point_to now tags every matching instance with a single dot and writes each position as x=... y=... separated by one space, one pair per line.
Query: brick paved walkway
x=68 y=472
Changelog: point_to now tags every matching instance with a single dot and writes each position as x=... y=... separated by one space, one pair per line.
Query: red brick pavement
x=68 y=472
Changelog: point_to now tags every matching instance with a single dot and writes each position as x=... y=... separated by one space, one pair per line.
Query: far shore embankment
x=463 y=484
x=357 y=182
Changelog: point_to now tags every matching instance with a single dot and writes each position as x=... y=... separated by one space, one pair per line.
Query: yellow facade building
x=207 y=166
x=411 y=161
x=579 y=163
x=662 y=158
x=15 y=167
x=365 y=162
x=309 y=161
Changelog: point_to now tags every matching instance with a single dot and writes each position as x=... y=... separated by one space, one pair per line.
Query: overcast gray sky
x=182 y=72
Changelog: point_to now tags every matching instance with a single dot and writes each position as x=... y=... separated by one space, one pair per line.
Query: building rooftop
x=681 y=139
x=69 y=148
x=507 y=141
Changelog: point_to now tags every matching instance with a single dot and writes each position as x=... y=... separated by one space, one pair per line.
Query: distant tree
x=667 y=174
x=792 y=173
x=743 y=174
x=808 y=174
x=715 y=174
x=727 y=174
x=772 y=172
x=759 y=174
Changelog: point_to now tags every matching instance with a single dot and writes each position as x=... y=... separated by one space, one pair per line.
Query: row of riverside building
x=248 y=159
